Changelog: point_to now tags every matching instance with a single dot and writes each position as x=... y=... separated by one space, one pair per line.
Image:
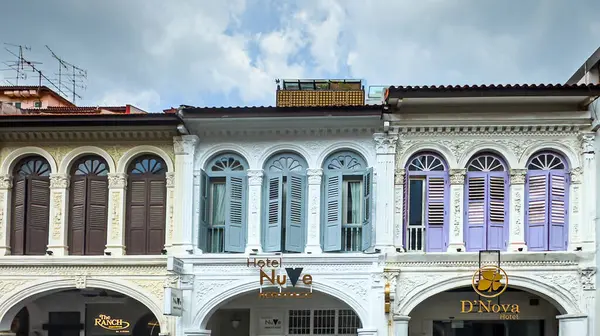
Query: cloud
x=157 y=54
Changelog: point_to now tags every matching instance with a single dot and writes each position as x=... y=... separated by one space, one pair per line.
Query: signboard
x=175 y=265
x=490 y=282
x=270 y=323
x=272 y=273
x=173 y=299
x=109 y=319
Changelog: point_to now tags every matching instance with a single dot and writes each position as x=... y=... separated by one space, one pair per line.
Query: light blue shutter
x=272 y=214
x=332 y=228
x=235 y=210
x=204 y=211
x=367 y=227
x=294 y=211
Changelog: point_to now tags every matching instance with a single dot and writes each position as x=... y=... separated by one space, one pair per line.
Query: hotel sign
x=490 y=282
x=272 y=273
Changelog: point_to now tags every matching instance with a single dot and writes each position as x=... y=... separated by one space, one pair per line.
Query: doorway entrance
x=489 y=328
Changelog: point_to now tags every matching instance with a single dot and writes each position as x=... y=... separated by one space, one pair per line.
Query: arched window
x=146 y=205
x=30 y=206
x=547 y=188
x=223 y=204
x=347 y=203
x=284 y=227
x=88 y=202
x=486 y=194
x=426 y=195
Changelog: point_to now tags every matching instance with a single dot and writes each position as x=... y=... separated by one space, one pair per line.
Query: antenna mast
x=75 y=78
x=17 y=66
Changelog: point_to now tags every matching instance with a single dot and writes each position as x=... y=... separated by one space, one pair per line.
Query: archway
x=256 y=313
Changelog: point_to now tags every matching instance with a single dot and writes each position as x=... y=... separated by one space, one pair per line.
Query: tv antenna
x=75 y=76
x=18 y=66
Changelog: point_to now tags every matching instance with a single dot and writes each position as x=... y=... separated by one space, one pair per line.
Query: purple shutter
x=435 y=214
x=496 y=237
x=537 y=210
x=558 y=212
x=475 y=212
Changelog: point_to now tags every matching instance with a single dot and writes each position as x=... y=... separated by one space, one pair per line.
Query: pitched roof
x=79 y=110
x=38 y=88
x=585 y=67
x=278 y=111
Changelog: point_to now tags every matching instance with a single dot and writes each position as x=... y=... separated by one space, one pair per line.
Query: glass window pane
x=415 y=199
x=217 y=205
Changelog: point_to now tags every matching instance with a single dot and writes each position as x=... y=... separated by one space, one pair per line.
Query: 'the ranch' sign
x=272 y=273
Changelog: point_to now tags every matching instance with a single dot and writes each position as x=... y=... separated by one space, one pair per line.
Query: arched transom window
x=284 y=228
x=223 y=199
x=30 y=206
x=347 y=203
x=486 y=193
x=88 y=210
x=146 y=205
x=426 y=194
x=547 y=188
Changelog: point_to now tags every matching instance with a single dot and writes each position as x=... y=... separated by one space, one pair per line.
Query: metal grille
x=299 y=322
x=216 y=239
x=324 y=322
x=348 y=322
x=351 y=238
x=415 y=238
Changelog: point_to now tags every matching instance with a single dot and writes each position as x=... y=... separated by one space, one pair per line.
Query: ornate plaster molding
x=576 y=175
x=82 y=270
x=399 y=176
x=517 y=212
x=117 y=181
x=115 y=223
x=255 y=177
x=59 y=181
x=184 y=145
x=170 y=177
x=57 y=218
x=314 y=176
x=587 y=142
x=385 y=143
x=457 y=176
x=5 y=182
x=588 y=279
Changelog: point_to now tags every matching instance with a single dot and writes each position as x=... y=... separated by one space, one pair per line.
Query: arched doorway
x=73 y=312
x=252 y=314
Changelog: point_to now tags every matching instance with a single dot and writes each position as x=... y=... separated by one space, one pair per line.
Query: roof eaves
x=590 y=63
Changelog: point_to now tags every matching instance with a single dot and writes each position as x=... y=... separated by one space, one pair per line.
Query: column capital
x=576 y=175
x=59 y=181
x=517 y=176
x=385 y=143
x=399 y=176
x=457 y=176
x=117 y=180
x=314 y=175
x=170 y=177
x=587 y=142
x=255 y=177
x=401 y=318
x=5 y=182
x=185 y=144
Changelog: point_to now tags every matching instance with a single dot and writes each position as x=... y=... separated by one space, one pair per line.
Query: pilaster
x=170 y=216
x=401 y=325
x=255 y=180
x=399 y=176
x=385 y=147
x=57 y=233
x=184 y=148
x=572 y=324
x=313 y=241
x=589 y=201
x=516 y=210
x=5 y=214
x=456 y=240
x=575 y=190
x=115 y=240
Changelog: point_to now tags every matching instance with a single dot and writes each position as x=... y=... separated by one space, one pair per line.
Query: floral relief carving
x=205 y=289
x=59 y=181
x=170 y=177
x=456 y=206
x=410 y=283
x=153 y=287
x=391 y=278
x=575 y=199
x=255 y=177
x=357 y=287
x=59 y=152
x=5 y=182
x=517 y=176
x=115 y=222
x=171 y=215
x=2 y=228
x=81 y=281
x=81 y=270
x=314 y=176
x=399 y=176
x=457 y=176
x=588 y=279
x=57 y=218
x=517 y=214
x=117 y=181
x=7 y=286
x=116 y=152
x=172 y=281
x=385 y=143
x=569 y=282
x=576 y=175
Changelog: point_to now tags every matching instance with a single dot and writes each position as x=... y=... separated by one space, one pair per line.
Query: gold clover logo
x=487 y=281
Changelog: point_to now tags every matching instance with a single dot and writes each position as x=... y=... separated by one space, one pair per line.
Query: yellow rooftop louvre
x=319 y=92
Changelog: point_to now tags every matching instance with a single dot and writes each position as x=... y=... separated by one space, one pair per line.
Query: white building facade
x=503 y=177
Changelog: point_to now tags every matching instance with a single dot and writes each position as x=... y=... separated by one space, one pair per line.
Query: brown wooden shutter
x=17 y=232
x=97 y=215
x=38 y=216
x=137 y=208
x=156 y=214
x=77 y=215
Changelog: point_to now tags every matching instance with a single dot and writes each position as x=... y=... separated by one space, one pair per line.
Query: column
x=575 y=209
x=170 y=216
x=184 y=148
x=572 y=324
x=313 y=241
x=516 y=211
x=5 y=214
x=115 y=240
x=456 y=238
x=401 y=325
x=57 y=233
x=399 y=209
x=589 y=190
x=385 y=146
x=255 y=180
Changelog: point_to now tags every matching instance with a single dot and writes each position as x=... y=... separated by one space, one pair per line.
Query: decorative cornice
x=396 y=266
x=576 y=175
x=59 y=181
x=184 y=145
x=488 y=131
x=457 y=176
x=385 y=143
x=5 y=182
x=255 y=177
x=517 y=176
x=308 y=132
x=117 y=180
x=88 y=135
x=314 y=175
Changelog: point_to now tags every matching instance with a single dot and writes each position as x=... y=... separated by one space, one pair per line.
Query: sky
x=157 y=54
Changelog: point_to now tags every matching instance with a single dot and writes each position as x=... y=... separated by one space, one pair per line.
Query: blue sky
x=156 y=54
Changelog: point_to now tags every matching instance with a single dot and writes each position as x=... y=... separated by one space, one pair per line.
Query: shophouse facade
x=86 y=222
x=496 y=176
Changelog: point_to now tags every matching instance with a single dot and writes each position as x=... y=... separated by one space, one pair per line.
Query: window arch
x=486 y=195
x=146 y=205
x=284 y=228
x=346 y=194
x=223 y=198
x=546 y=190
x=426 y=194
x=88 y=200
x=30 y=206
